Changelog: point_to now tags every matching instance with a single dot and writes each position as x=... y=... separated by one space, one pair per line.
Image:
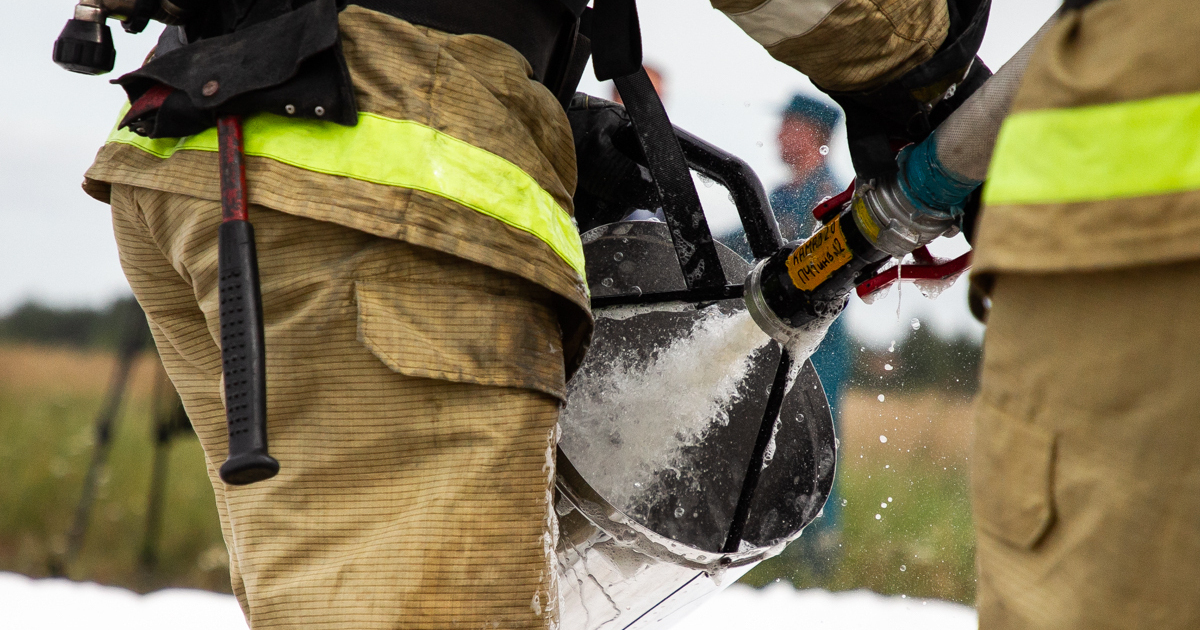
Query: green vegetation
x=46 y=442
x=921 y=545
x=35 y=323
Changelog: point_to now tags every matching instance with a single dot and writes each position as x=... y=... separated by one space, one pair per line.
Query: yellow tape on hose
x=822 y=254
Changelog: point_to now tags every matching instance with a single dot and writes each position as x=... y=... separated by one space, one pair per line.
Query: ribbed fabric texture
x=471 y=87
x=1092 y=60
x=858 y=45
x=1085 y=474
x=412 y=399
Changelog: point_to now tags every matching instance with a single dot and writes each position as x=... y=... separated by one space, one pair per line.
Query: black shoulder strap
x=612 y=26
x=616 y=36
x=575 y=6
x=664 y=158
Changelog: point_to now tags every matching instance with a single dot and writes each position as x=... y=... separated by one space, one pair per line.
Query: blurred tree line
x=92 y=328
x=922 y=360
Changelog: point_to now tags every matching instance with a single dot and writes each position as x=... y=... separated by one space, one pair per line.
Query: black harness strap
x=681 y=205
x=613 y=27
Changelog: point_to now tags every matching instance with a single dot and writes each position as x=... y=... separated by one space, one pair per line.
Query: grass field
x=48 y=401
x=921 y=544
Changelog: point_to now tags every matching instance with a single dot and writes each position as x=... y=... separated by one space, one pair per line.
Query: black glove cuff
x=881 y=121
x=613 y=180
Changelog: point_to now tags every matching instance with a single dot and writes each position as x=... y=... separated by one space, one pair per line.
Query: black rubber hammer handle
x=243 y=351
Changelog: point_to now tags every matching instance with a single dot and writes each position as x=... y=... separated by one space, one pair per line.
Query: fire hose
x=808 y=283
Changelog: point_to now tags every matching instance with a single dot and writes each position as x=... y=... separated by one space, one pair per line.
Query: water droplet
x=892 y=348
x=878 y=516
x=903 y=568
x=746 y=104
x=887 y=366
x=608 y=282
x=916 y=324
x=619 y=256
x=759 y=144
x=889 y=499
x=882 y=438
x=881 y=398
x=678 y=512
x=824 y=150
x=843 y=502
x=883 y=505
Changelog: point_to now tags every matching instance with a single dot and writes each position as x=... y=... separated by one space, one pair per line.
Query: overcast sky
x=56 y=244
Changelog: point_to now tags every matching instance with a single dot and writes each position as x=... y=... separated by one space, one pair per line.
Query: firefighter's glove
x=613 y=179
x=881 y=121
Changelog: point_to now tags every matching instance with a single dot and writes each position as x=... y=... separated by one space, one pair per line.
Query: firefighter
x=424 y=300
x=1086 y=482
x=410 y=172
x=1085 y=471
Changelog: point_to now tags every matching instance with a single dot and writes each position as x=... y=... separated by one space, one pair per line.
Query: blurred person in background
x=804 y=136
x=805 y=132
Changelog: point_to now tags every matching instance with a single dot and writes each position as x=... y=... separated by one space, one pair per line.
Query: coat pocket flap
x=462 y=333
x=1012 y=475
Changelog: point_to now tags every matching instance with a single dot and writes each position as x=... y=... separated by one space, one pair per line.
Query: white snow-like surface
x=28 y=604
x=781 y=607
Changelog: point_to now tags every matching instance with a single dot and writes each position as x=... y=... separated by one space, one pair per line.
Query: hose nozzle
x=760 y=312
x=807 y=283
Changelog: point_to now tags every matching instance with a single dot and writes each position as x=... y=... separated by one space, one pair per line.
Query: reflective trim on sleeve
x=404 y=154
x=1098 y=152
x=776 y=20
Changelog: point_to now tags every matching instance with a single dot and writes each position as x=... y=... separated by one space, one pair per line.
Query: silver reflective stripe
x=776 y=20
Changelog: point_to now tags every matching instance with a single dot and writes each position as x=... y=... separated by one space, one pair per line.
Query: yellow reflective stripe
x=404 y=154
x=1117 y=151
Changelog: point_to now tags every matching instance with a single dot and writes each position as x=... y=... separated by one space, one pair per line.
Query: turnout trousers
x=1086 y=468
x=416 y=479
x=1087 y=463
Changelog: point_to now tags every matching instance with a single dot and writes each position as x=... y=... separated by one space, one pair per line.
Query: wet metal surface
x=630 y=559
